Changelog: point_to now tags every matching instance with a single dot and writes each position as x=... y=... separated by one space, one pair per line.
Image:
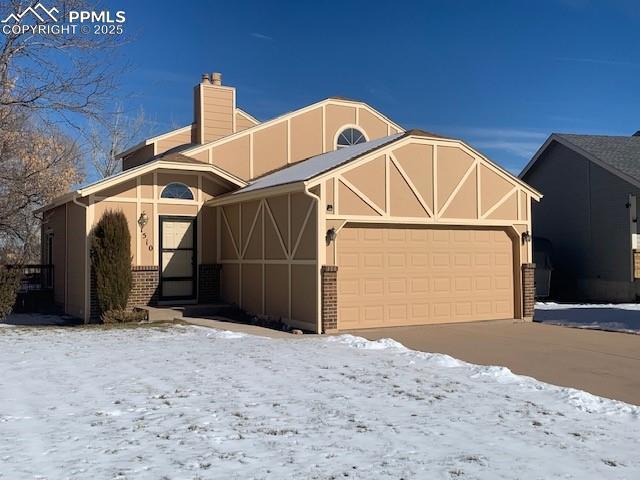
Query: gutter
x=229 y=198
x=320 y=234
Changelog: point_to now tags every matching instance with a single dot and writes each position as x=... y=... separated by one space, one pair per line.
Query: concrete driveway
x=603 y=363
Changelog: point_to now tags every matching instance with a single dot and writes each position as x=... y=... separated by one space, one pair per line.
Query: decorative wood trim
x=411 y=185
x=264 y=268
x=251 y=155
x=277 y=229
x=288 y=141
x=336 y=194
x=387 y=187
x=324 y=128
x=478 y=191
x=156 y=227
x=250 y=233
x=138 y=239
x=421 y=220
x=233 y=240
x=436 y=211
x=459 y=186
x=500 y=202
x=362 y=196
x=304 y=226
x=288 y=225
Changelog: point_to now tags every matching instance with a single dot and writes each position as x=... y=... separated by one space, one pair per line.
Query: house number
x=146 y=242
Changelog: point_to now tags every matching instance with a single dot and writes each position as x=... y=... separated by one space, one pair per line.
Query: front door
x=177 y=258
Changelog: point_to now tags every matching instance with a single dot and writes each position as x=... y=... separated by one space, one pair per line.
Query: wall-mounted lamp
x=526 y=237
x=331 y=235
x=330 y=208
x=143 y=220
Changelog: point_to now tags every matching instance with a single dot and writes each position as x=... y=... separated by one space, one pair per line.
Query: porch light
x=526 y=237
x=330 y=208
x=143 y=220
x=331 y=235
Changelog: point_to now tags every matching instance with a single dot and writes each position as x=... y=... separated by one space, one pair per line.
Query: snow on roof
x=314 y=166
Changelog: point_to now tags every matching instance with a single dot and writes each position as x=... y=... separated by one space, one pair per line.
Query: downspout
x=87 y=268
x=320 y=236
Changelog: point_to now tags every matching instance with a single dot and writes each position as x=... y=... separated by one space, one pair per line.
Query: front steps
x=176 y=313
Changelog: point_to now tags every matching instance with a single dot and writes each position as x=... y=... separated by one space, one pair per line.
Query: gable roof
x=175 y=161
x=619 y=155
x=267 y=123
x=313 y=167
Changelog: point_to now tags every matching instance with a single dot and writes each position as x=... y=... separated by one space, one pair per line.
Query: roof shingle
x=619 y=152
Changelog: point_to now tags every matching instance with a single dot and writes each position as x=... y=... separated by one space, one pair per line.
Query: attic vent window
x=177 y=191
x=350 y=136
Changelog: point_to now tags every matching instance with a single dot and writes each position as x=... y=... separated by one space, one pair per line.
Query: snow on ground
x=33 y=319
x=194 y=403
x=620 y=317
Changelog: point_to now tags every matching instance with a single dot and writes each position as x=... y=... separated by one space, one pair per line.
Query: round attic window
x=178 y=191
x=350 y=136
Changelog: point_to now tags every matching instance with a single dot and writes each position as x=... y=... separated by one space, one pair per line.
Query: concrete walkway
x=603 y=363
x=222 y=324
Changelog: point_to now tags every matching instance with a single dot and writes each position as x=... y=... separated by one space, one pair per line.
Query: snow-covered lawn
x=621 y=317
x=189 y=402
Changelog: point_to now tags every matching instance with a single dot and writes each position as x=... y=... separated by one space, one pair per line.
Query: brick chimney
x=214 y=108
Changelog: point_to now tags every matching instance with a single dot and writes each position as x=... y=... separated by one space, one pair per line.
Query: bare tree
x=36 y=165
x=63 y=76
x=51 y=86
x=108 y=139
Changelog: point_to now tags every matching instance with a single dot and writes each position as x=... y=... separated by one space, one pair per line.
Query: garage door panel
x=418 y=259
x=411 y=276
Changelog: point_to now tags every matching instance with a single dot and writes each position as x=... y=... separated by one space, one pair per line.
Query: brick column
x=528 y=290
x=145 y=287
x=209 y=282
x=636 y=264
x=94 y=310
x=329 y=279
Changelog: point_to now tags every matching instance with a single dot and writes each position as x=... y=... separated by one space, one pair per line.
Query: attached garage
x=407 y=229
x=399 y=275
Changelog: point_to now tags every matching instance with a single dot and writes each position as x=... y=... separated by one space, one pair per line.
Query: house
x=329 y=217
x=589 y=214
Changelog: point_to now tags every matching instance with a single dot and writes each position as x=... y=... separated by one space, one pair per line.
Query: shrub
x=111 y=261
x=9 y=284
x=123 y=316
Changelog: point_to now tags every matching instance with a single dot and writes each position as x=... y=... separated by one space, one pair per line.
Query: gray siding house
x=591 y=187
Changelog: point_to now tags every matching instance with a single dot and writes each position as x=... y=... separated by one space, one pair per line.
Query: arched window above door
x=177 y=191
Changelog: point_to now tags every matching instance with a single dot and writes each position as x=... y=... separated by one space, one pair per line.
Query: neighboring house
x=329 y=217
x=591 y=185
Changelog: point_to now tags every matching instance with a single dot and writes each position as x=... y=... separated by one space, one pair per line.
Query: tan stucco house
x=589 y=215
x=329 y=217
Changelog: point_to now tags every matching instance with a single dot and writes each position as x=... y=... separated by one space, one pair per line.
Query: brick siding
x=209 y=282
x=145 y=287
x=145 y=290
x=329 y=280
x=528 y=290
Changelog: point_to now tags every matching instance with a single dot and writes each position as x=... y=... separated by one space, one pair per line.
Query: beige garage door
x=411 y=276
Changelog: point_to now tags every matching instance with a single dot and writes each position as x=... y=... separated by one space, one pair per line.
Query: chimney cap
x=216 y=78
x=205 y=78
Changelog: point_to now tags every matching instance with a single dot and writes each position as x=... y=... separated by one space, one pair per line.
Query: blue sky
x=500 y=75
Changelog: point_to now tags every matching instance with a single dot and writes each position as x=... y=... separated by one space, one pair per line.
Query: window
x=350 y=136
x=177 y=190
